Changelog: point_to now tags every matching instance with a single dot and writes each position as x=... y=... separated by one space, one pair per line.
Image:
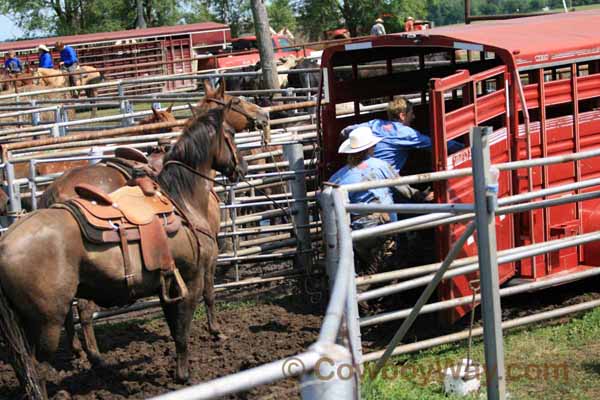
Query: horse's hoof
x=62 y=395
x=183 y=379
x=98 y=362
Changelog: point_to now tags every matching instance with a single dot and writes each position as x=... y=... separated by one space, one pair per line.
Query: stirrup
x=180 y=285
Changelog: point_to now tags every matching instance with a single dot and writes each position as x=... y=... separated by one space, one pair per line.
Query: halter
x=234 y=106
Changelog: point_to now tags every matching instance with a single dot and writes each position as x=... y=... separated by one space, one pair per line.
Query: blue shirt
x=46 y=60
x=68 y=56
x=371 y=169
x=398 y=139
x=13 y=65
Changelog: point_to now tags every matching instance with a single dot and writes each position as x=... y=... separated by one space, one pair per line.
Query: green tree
x=281 y=15
x=317 y=16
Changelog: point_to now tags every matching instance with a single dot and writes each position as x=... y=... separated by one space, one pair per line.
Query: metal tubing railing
x=507 y=291
x=462 y=172
x=455 y=337
x=541 y=248
x=245 y=380
x=427 y=292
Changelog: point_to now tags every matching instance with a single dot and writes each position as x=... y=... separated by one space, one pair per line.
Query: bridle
x=234 y=104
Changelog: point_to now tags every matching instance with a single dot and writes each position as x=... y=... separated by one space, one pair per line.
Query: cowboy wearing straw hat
x=362 y=166
x=378 y=29
x=45 y=57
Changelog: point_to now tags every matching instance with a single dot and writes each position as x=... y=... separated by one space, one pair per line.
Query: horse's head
x=224 y=155
x=240 y=115
x=159 y=116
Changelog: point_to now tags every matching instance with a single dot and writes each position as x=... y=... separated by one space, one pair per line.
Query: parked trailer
x=136 y=53
x=481 y=75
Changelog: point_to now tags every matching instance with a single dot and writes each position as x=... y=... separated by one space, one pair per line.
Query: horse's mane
x=193 y=149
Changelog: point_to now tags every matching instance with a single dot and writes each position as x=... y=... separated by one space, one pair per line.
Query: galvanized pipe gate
x=342 y=323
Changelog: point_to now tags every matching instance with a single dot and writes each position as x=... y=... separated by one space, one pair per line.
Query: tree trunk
x=140 y=23
x=265 y=44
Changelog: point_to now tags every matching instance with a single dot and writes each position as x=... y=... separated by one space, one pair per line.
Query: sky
x=8 y=30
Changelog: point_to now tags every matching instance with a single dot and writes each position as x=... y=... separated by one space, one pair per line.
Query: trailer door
x=457 y=103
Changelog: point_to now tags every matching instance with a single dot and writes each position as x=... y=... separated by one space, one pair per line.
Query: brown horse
x=240 y=115
x=45 y=262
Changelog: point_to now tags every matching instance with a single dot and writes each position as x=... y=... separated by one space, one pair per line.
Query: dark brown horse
x=45 y=262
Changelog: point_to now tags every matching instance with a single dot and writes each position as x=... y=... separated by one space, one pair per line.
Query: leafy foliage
x=311 y=17
x=281 y=15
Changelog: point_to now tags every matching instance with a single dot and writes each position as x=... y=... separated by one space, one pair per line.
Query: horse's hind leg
x=46 y=345
x=86 y=313
x=72 y=338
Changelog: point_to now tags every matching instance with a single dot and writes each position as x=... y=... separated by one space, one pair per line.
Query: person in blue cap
x=45 y=57
x=12 y=64
x=397 y=136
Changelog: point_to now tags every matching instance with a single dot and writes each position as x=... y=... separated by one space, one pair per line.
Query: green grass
x=552 y=362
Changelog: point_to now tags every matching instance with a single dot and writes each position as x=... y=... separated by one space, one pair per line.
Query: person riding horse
x=12 y=64
x=68 y=62
x=45 y=57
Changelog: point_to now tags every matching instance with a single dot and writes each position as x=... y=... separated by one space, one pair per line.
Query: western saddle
x=135 y=214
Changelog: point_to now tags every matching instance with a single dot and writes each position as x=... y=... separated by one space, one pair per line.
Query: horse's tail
x=11 y=331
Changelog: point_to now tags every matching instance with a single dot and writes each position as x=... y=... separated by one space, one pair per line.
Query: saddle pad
x=138 y=208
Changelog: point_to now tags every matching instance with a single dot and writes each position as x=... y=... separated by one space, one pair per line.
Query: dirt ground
x=141 y=355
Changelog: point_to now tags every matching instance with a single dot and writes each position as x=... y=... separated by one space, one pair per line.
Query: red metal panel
x=588 y=86
x=215 y=37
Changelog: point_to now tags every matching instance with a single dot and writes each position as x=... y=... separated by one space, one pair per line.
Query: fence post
x=14 y=196
x=294 y=154
x=35 y=117
x=333 y=377
x=129 y=110
x=485 y=187
x=234 y=237
x=330 y=237
x=32 y=184
x=56 y=129
x=64 y=116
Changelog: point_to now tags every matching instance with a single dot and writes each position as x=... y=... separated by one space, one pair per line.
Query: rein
x=192 y=170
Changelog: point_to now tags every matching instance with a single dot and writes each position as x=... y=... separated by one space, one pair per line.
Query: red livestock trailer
x=477 y=75
x=139 y=52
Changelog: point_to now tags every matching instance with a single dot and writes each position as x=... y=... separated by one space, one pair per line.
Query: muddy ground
x=141 y=356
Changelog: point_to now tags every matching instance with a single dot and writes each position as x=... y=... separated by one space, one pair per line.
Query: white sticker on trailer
x=358 y=46
x=468 y=46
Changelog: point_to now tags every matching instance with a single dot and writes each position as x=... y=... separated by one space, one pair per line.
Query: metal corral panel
x=222 y=34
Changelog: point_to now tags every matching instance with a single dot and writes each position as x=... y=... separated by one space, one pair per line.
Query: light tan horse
x=57 y=78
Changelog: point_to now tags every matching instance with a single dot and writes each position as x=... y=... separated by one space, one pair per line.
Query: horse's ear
x=170 y=108
x=221 y=90
x=193 y=110
x=154 y=111
x=208 y=88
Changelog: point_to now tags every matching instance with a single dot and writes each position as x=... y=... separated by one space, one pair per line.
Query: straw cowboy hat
x=43 y=47
x=410 y=19
x=359 y=139
x=379 y=21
